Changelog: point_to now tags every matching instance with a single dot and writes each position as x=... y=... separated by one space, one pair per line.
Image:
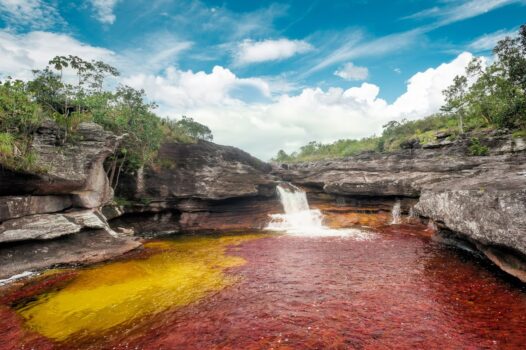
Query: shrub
x=477 y=149
x=7 y=145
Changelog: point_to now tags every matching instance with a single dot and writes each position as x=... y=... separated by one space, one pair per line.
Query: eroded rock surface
x=482 y=199
x=51 y=215
x=81 y=248
x=202 y=170
x=74 y=168
x=202 y=187
x=12 y=207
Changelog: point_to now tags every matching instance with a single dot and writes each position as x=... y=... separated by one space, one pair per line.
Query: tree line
x=486 y=96
x=71 y=90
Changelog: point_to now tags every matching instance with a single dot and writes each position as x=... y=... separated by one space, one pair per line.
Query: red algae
x=400 y=290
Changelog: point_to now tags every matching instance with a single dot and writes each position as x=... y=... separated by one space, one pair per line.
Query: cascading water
x=396 y=213
x=300 y=220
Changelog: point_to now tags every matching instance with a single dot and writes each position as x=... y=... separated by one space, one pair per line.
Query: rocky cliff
x=46 y=214
x=62 y=213
x=478 y=199
x=201 y=187
x=58 y=213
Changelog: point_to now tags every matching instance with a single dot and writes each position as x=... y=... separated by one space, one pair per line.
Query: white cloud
x=270 y=50
x=424 y=89
x=34 y=14
x=255 y=114
x=290 y=121
x=156 y=52
x=23 y=52
x=104 y=10
x=351 y=72
x=183 y=91
x=489 y=41
x=220 y=23
x=455 y=11
x=355 y=47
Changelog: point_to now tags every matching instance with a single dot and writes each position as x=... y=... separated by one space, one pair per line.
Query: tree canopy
x=71 y=90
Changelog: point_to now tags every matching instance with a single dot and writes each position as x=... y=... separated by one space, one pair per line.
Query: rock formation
x=201 y=187
x=59 y=213
x=480 y=199
x=58 y=203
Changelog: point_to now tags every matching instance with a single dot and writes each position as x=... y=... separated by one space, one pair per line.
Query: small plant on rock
x=477 y=149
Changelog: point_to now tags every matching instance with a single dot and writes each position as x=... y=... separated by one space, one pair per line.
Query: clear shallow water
x=398 y=290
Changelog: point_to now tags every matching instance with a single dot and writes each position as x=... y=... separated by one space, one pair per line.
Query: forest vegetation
x=485 y=98
x=72 y=90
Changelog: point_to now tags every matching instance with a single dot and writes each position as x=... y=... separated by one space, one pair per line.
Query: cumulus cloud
x=269 y=50
x=424 y=89
x=104 y=10
x=23 y=52
x=34 y=14
x=257 y=114
x=183 y=91
x=288 y=121
x=351 y=72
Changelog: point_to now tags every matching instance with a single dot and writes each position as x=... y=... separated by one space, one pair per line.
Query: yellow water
x=178 y=273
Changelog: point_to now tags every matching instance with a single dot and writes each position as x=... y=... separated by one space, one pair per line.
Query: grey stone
x=12 y=207
x=49 y=226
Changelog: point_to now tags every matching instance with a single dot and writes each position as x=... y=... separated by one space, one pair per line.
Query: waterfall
x=396 y=213
x=300 y=220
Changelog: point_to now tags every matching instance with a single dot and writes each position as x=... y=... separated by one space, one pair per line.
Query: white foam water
x=16 y=277
x=396 y=213
x=300 y=220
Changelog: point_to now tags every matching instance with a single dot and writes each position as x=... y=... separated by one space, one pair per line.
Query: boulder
x=201 y=187
x=12 y=207
x=202 y=170
x=49 y=226
x=75 y=249
x=488 y=216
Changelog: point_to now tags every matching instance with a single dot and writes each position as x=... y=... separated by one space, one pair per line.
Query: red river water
x=399 y=290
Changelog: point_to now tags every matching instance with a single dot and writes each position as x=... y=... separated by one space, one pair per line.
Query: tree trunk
x=119 y=172
x=139 y=190
x=113 y=167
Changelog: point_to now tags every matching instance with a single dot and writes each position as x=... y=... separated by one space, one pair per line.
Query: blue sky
x=266 y=75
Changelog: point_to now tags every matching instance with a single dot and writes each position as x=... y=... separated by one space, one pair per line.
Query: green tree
x=456 y=102
x=194 y=129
